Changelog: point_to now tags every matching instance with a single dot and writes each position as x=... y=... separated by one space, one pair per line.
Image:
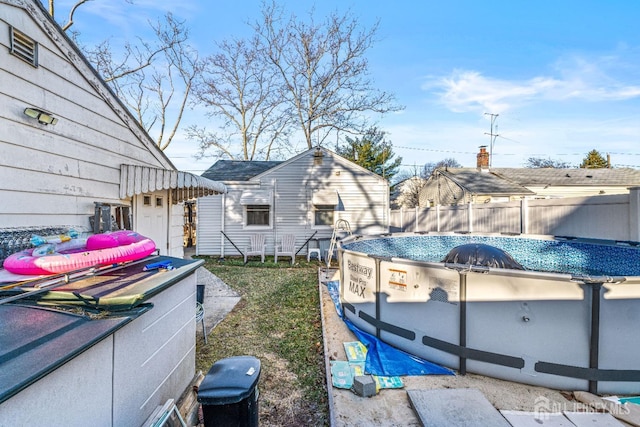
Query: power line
x=434 y=150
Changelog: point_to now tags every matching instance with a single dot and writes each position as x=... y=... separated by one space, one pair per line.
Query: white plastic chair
x=256 y=248
x=287 y=247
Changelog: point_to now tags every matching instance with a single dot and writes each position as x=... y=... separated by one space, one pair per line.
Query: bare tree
x=540 y=162
x=405 y=193
x=428 y=168
x=325 y=71
x=154 y=79
x=243 y=92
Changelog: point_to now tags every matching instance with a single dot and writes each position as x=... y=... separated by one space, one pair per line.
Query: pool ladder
x=342 y=225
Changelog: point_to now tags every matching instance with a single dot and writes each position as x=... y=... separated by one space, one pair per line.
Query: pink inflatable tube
x=101 y=249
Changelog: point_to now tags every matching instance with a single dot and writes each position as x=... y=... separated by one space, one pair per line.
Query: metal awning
x=136 y=179
x=256 y=197
x=325 y=197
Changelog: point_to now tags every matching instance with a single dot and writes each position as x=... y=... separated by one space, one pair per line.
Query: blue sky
x=563 y=76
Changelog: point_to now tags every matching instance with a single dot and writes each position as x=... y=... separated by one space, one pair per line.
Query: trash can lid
x=229 y=380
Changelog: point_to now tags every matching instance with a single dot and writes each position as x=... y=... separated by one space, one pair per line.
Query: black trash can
x=229 y=392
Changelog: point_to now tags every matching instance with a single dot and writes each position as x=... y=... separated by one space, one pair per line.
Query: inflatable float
x=74 y=254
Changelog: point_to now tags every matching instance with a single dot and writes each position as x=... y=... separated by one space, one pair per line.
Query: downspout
x=274 y=186
x=224 y=213
x=170 y=222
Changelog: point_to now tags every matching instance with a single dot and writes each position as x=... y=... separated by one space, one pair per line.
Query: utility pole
x=492 y=135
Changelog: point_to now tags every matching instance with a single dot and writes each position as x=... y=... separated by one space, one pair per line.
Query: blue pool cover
x=383 y=359
x=556 y=256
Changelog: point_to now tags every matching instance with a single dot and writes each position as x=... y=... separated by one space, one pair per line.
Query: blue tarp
x=382 y=358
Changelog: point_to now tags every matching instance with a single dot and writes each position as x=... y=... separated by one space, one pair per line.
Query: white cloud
x=576 y=78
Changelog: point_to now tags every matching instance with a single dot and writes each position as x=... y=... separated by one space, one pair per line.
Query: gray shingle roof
x=488 y=183
x=237 y=170
x=570 y=177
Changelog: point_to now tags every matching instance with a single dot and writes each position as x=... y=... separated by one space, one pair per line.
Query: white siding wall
x=176 y=230
x=577 y=191
x=53 y=174
x=363 y=202
x=208 y=227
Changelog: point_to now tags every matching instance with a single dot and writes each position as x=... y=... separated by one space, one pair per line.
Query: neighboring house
x=406 y=193
x=456 y=186
x=304 y=195
x=453 y=186
x=71 y=149
x=74 y=157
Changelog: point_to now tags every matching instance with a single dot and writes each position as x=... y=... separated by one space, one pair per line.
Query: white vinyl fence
x=612 y=217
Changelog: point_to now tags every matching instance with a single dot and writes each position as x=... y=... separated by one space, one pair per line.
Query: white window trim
x=245 y=226
x=315 y=226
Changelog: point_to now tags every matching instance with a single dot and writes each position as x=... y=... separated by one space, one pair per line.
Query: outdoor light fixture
x=42 y=116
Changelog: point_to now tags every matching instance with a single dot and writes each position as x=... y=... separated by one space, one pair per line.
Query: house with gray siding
x=305 y=195
x=72 y=153
x=72 y=156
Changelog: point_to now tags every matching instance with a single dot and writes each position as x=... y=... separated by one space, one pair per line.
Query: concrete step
x=455 y=408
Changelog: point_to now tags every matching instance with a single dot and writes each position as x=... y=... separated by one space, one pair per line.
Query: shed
x=305 y=195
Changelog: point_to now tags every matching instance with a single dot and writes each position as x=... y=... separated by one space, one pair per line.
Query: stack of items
x=351 y=374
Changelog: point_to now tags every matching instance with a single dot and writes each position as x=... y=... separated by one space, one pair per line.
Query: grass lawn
x=278 y=321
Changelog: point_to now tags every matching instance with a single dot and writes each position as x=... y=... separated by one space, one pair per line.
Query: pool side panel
x=358 y=289
x=619 y=336
x=537 y=319
x=424 y=299
x=527 y=326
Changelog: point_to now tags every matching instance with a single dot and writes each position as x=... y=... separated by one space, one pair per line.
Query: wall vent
x=23 y=46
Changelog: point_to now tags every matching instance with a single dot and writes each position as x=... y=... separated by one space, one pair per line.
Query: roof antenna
x=492 y=135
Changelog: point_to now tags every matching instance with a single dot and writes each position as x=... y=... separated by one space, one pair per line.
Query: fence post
x=438 y=218
x=634 y=214
x=470 y=217
x=524 y=216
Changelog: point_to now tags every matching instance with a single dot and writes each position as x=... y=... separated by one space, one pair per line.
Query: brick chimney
x=483 y=158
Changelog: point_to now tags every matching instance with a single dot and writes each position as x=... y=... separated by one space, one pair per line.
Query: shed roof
x=483 y=182
x=570 y=177
x=237 y=170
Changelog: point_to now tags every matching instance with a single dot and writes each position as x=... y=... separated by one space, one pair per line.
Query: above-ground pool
x=568 y=319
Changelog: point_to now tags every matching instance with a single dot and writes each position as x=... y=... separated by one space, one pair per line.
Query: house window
x=258 y=215
x=146 y=200
x=23 y=46
x=323 y=215
x=158 y=202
